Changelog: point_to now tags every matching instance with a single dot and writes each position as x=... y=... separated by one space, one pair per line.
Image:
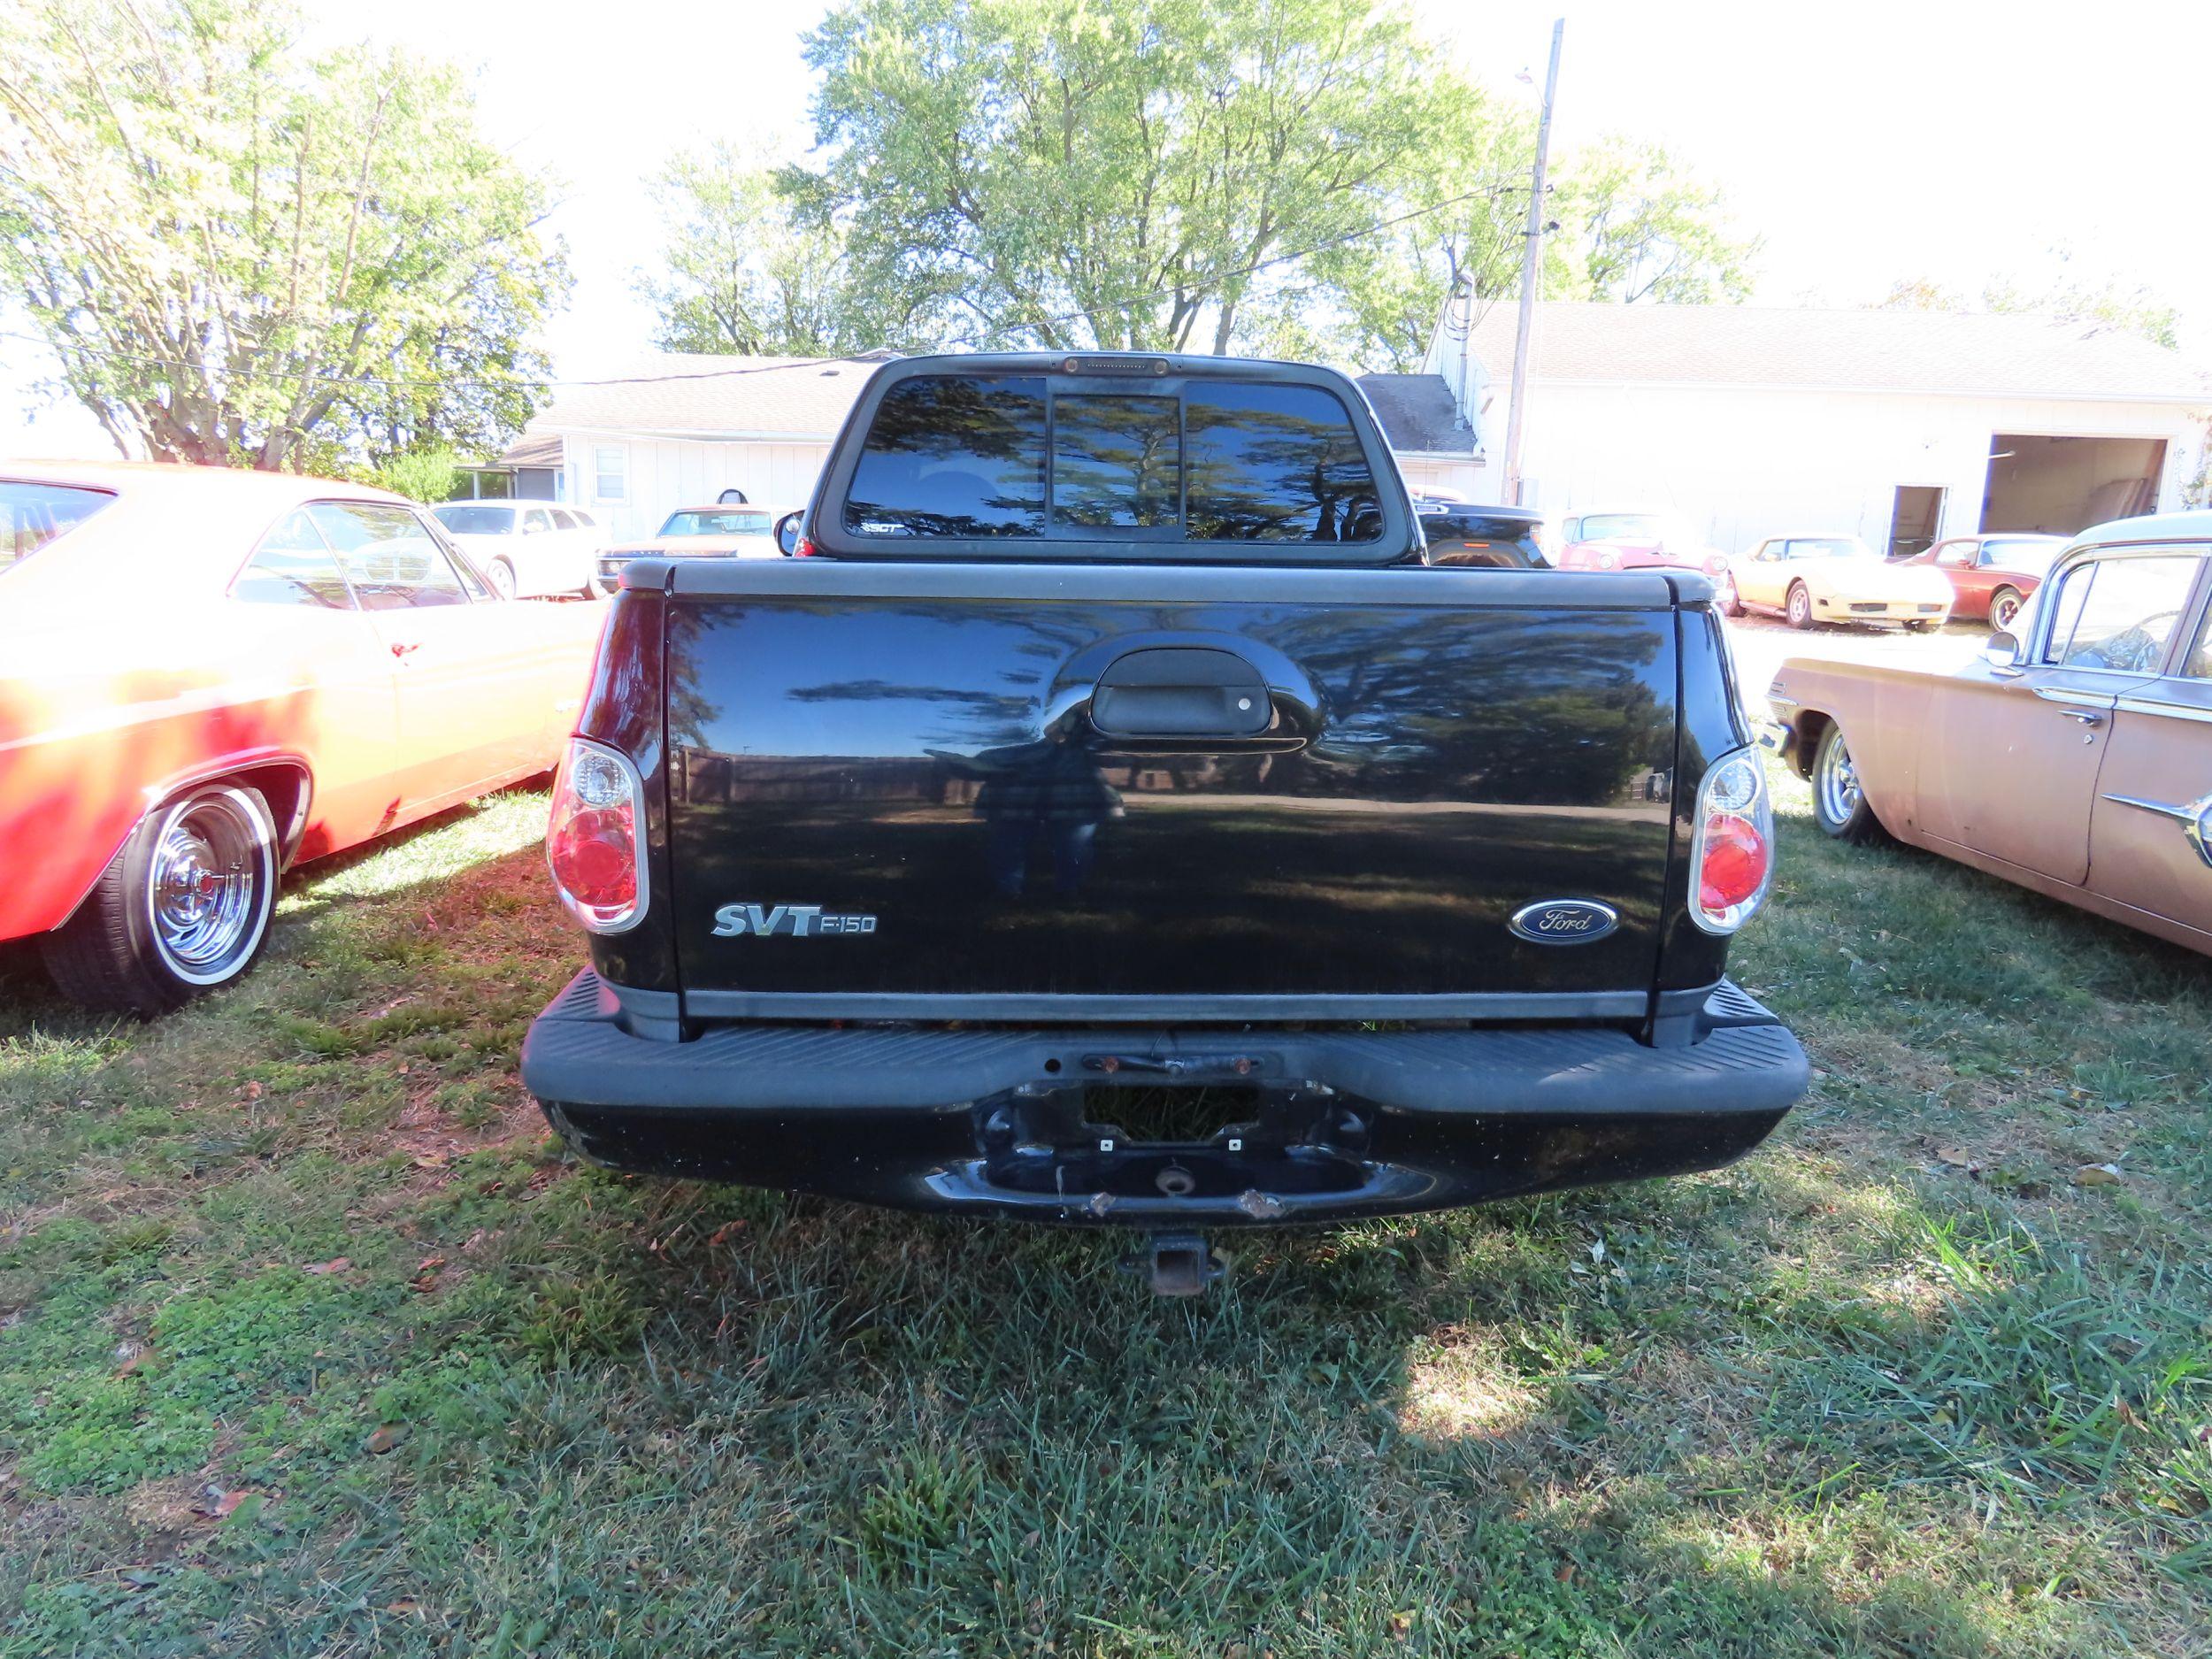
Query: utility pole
x=1531 y=270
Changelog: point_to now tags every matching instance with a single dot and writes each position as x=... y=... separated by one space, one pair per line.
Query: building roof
x=1417 y=414
x=694 y=396
x=1960 y=353
x=533 y=449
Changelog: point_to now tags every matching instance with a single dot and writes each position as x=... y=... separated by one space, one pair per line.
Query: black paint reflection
x=1464 y=764
x=953 y=456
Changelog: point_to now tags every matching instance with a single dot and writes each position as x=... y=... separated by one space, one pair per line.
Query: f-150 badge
x=794 y=921
x=1564 y=921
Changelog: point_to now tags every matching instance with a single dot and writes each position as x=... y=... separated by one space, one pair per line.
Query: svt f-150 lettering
x=794 y=921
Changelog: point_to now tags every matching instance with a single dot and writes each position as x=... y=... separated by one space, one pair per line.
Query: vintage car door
x=1960 y=561
x=1760 y=574
x=2150 y=832
x=2013 y=754
x=472 y=670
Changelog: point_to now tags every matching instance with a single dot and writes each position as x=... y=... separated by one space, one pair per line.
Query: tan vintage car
x=2075 y=759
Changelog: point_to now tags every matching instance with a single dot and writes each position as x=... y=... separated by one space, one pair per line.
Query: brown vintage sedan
x=2075 y=759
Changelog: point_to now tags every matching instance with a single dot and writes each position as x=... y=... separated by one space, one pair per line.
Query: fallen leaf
x=384 y=1439
x=253 y=1090
x=1401 y=1623
x=721 y=1235
x=1957 y=1158
x=336 y=1264
x=2097 y=1175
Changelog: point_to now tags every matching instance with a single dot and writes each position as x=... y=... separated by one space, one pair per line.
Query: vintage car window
x=1275 y=463
x=2118 y=613
x=32 y=514
x=1828 y=547
x=475 y=517
x=952 y=455
x=293 y=565
x=561 y=519
x=388 y=557
x=2033 y=554
x=692 y=521
x=1117 y=461
x=537 y=521
x=2198 y=665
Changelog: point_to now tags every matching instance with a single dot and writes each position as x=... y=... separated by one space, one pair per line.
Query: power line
x=973 y=338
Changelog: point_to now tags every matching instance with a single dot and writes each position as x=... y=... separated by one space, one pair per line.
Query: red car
x=206 y=675
x=1636 y=538
x=1991 y=575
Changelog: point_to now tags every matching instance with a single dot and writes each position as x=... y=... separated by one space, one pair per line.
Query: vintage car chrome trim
x=2077 y=699
x=2195 y=818
x=2171 y=710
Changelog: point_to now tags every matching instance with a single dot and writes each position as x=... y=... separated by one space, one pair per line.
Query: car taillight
x=594 y=843
x=1732 y=851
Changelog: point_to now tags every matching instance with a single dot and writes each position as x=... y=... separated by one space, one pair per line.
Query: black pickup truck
x=1111 y=816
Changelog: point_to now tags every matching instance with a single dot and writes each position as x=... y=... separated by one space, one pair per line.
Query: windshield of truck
x=468 y=517
x=32 y=515
x=1015 y=456
x=693 y=522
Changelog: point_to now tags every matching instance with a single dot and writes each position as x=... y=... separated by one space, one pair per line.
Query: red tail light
x=1731 y=851
x=595 y=844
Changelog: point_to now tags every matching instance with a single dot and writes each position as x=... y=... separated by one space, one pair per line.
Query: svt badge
x=1564 y=921
x=792 y=921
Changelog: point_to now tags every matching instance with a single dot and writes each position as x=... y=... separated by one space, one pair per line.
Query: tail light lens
x=1732 y=852
x=595 y=843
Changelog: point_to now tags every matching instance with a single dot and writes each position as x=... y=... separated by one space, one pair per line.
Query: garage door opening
x=2056 y=486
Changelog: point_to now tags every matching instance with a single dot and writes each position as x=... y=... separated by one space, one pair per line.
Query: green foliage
x=740 y=274
x=2056 y=293
x=1641 y=227
x=426 y=475
x=242 y=255
x=1059 y=173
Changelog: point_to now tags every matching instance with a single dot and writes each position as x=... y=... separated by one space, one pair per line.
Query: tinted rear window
x=471 y=520
x=966 y=456
x=32 y=515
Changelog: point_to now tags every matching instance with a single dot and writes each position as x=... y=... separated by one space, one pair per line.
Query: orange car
x=206 y=675
x=2075 y=759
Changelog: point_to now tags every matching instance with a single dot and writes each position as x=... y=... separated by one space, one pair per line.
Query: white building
x=672 y=430
x=1896 y=425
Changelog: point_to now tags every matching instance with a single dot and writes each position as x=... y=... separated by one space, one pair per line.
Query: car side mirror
x=787 y=532
x=2002 y=651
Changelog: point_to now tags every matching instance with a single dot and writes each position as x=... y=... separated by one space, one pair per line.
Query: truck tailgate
x=1001 y=791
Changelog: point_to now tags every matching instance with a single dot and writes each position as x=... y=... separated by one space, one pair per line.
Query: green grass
x=312 y=1342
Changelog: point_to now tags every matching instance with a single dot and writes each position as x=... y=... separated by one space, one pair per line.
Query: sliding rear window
x=32 y=515
x=1015 y=456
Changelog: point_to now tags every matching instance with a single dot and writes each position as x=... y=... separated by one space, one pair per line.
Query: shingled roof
x=1417 y=414
x=692 y=395
x=1966 y=354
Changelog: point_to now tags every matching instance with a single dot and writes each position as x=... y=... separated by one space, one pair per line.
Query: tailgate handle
x=1182 y=693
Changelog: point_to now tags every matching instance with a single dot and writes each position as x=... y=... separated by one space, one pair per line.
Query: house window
x=611 y=472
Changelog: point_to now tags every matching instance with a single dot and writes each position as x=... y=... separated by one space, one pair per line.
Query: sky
x=1864 y=144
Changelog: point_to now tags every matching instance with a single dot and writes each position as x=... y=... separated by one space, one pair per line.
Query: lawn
x=311 y=1341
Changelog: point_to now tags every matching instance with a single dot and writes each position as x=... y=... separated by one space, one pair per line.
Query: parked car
x=1059 y=785
x=2076 y=759
x=1808 y=579
x=527 y=548
x=1991 y=576
x=208 y=675
x=1637 y=538
x=721 y=531
x=1468 y=535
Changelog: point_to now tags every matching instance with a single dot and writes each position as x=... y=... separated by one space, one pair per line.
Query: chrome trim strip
x=930 y=1005
x=2171 y=710
x=2181 y=814
x=2077 y=699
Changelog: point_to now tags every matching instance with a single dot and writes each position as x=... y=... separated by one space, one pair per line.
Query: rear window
x=32 y=515
x=968 y=456
x=465 y=519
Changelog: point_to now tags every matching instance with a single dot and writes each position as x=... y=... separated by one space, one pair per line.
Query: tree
x=1060 y=173
x=2063 y=298
x=741 y=274
x=243 y=256
x=1643 y=228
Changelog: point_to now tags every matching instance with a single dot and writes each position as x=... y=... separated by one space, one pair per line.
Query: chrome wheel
x=2004 y=608
x=1801 y=609
x=209 y=884
x=501 y=577
x=1836 y=780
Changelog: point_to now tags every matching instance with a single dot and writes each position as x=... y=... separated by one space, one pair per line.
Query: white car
x=528 y=548
x=727 y=530
x=1808 y=579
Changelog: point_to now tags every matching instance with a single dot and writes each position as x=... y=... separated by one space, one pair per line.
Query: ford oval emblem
x=1564 y=921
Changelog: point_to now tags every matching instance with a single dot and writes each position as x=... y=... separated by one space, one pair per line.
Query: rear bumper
x=1316 y=1126
x=1881 y=610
